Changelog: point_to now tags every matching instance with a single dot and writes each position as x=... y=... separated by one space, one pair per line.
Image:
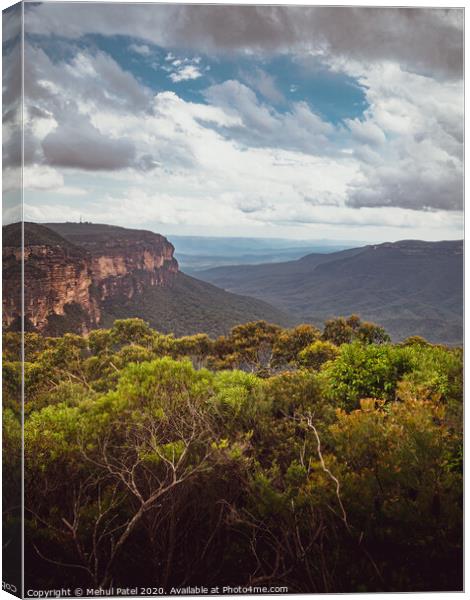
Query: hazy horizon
x=296 y=240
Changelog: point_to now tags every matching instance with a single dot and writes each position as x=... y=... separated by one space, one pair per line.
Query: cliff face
x=121 y=267
x=54 y=280
x=67 y=280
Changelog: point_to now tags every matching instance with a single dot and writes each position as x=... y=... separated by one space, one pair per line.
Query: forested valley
x=322 y=460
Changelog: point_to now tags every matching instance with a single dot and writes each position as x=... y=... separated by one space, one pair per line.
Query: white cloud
x=37 y=177
x=417 y=123
x=366 y=132
x=141 y=49
x=185 y=73
x=89 y=79
x=201 y=178
x=61 y=102
x=11 y=181
x=263 y=83
x=296 y=129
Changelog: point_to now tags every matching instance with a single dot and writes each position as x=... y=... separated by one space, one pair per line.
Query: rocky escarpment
x=122 y=262
x=71 y=269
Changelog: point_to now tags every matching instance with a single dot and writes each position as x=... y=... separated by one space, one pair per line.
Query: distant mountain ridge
x=409 y=287
x=196 y=253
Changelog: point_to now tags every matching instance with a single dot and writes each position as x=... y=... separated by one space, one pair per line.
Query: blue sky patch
x=332 y=95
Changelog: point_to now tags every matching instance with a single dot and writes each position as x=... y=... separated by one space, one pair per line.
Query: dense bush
x=268 y=456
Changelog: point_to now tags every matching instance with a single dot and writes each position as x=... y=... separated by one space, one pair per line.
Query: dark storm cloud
x=11 y=24
x=428 y=40
x=82 y=146
x=11 y=55
x=440 y=187
x=11 y=149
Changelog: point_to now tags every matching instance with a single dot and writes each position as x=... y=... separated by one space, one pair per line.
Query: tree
x=110 y=462
x=337 y=331
x=141 y=461
x=291 y=341
x=401 y=489
x=415 y=339
x=127 y=331
x=197 y=347
x=251 y=345
x=365 y=371
x=344 y=331
x=317 y=354
x=370 y=333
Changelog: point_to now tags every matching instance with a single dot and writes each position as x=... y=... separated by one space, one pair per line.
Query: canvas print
x=232 y=299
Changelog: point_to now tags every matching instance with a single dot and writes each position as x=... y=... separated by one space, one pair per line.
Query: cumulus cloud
x=297 y=129
x=366 y=132
x=92 y=78
x=80 y=145
x=61 y=101
x=185 y=73
x=410 y=184
x=37 y=177
x=409 y=145
x=183 y=68
x=428 y=40
x=394 y=158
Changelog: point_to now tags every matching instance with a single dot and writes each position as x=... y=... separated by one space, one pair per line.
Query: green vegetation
x=266 y=456
x=190 y=306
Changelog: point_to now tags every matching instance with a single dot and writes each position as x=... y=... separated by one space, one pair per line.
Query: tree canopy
x=323 y=461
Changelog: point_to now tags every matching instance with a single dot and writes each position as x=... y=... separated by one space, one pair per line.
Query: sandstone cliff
x=70 y=269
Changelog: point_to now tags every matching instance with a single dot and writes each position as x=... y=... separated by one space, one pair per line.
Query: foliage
x=317 y=354
x=190 y=306
x=367 y=371
x=344 y=331
x=291 y=342
x=266 y=455
x=399 y=481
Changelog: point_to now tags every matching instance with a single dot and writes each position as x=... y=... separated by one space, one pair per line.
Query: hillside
x=192 y=306
x=80 y=276
x=184 y=307
x=409 y=287
x=35 y=235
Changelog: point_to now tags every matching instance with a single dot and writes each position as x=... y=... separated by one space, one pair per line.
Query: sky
x=258 y=121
